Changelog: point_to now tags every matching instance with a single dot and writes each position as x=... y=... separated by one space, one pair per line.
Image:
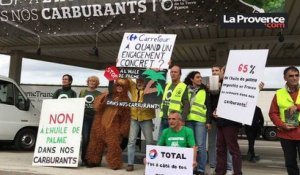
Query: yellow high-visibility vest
x=175 y=99
x=285 y=101
x=198 y=109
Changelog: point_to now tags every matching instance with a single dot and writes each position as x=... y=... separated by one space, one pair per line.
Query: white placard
x=165 y=160
x=144 y=50
x=59 y=134
x=240 y=88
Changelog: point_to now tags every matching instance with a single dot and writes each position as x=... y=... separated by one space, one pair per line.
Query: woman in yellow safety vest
x=199 y=117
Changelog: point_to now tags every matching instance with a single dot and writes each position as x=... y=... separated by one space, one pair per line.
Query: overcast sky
x=39 y=72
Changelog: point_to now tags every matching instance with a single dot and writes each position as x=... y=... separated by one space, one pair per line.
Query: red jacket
x=274 y=116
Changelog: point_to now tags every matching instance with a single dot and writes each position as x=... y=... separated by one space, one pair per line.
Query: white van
x=19 y=119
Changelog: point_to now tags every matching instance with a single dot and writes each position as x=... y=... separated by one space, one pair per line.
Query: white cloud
x=4 y=64
x=39 y=72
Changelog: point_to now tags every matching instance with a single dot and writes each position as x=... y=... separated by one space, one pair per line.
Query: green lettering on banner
x=56 y=139
x=75 y=129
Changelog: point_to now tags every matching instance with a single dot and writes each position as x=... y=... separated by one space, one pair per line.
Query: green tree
x=270 y=6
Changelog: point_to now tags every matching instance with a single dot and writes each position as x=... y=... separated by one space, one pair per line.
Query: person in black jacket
x=227 y=138
x=252 y=132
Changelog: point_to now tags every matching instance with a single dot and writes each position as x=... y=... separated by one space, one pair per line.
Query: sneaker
x=212 y=171
x=199 y=173
x=229 y=172
x=130 y=168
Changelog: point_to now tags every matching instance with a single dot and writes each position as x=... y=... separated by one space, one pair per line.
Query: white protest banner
x=59 y=134
x=144 y=50
x=240 y=88
x=165 y=160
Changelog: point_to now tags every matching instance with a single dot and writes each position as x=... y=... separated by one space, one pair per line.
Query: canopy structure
x=89 y=33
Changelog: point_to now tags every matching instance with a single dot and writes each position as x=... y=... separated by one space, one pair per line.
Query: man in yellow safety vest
x=284 y=112
x=175 y=98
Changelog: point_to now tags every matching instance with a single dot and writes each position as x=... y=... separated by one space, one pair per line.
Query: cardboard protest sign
x=168 y=160
x=153 y=82
x=144 y=50
x=240 y=88
x=59 y=134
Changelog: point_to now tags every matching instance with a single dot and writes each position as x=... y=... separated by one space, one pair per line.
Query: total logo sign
x=153 y=154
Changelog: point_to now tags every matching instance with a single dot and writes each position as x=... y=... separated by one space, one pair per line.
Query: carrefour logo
x=132 y=37
x=153 y=154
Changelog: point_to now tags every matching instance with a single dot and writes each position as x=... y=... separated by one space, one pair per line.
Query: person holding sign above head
x=175 y=98
x=227 y=139
x=178 y=135
x=66 y=90
x=141 y=118
x=285 y=114
x=111 y=124
x=200 y=115
x=89 y=94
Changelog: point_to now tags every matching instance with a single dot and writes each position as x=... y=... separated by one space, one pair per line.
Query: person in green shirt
x=178 y=135
x=90 y=95
x=66 y=90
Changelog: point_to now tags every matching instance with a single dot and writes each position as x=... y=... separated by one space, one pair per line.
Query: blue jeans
x=86 y=130
x=212 y=147
x=147 y=127
x=163 y=125
x=200 y=138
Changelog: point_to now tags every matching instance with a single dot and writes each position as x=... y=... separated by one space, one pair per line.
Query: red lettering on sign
x=61 y=118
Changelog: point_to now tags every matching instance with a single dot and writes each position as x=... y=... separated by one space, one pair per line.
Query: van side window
x=6 y=93
x=20 y=100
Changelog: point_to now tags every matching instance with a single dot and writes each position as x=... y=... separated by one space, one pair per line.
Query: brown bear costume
x=110 y=126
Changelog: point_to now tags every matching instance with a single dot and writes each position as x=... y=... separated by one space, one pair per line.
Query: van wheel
x=270 y=133
x=25 y=139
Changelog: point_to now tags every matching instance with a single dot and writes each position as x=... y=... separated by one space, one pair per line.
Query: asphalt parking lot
x=19 y=163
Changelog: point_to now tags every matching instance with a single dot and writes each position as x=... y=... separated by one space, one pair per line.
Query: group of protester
x=188 y=115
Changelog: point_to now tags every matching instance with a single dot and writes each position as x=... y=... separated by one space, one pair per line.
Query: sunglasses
x=119 y=85
x=295 y=75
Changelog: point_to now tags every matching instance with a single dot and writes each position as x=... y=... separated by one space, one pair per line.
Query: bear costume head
x=120 y=90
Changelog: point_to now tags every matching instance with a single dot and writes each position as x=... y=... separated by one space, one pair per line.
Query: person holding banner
x=141 y=118
x=212 y=133
x=89 y=94
x=175 y=98
x=110 y=126
x=199 y=116
x=66 y=90
x=227 y=139
x=285 y=114
x=178 y=135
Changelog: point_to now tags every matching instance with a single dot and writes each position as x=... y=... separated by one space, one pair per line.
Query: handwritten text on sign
x=59 y=134
x=145 y=50
x=240 y=88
